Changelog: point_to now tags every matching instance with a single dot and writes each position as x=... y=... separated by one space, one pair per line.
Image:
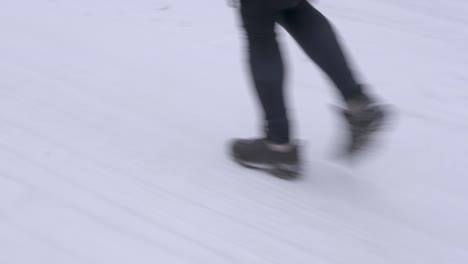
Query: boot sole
x=282 y=171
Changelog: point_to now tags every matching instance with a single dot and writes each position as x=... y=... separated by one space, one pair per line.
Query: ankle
x=358 y=103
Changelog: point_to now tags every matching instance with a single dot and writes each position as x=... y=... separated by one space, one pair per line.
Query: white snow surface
x=114 y=118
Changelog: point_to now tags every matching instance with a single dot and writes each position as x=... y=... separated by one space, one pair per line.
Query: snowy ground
x=114 y=117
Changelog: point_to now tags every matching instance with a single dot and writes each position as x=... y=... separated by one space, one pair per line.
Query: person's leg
x=275 y=153
x=316 y=36
x=266 y=66
x=314 y=33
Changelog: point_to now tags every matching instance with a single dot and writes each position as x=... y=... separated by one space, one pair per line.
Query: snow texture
x=114 y=117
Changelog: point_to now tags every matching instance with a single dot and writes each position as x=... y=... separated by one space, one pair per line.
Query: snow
x=114 y=117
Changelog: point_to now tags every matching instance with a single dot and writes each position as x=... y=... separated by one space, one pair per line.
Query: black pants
x=313 y=33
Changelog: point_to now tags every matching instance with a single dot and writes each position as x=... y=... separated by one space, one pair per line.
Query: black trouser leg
x=315 y=35
x=266 y=66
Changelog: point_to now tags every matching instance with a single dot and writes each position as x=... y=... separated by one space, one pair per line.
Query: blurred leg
x=315 y=35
